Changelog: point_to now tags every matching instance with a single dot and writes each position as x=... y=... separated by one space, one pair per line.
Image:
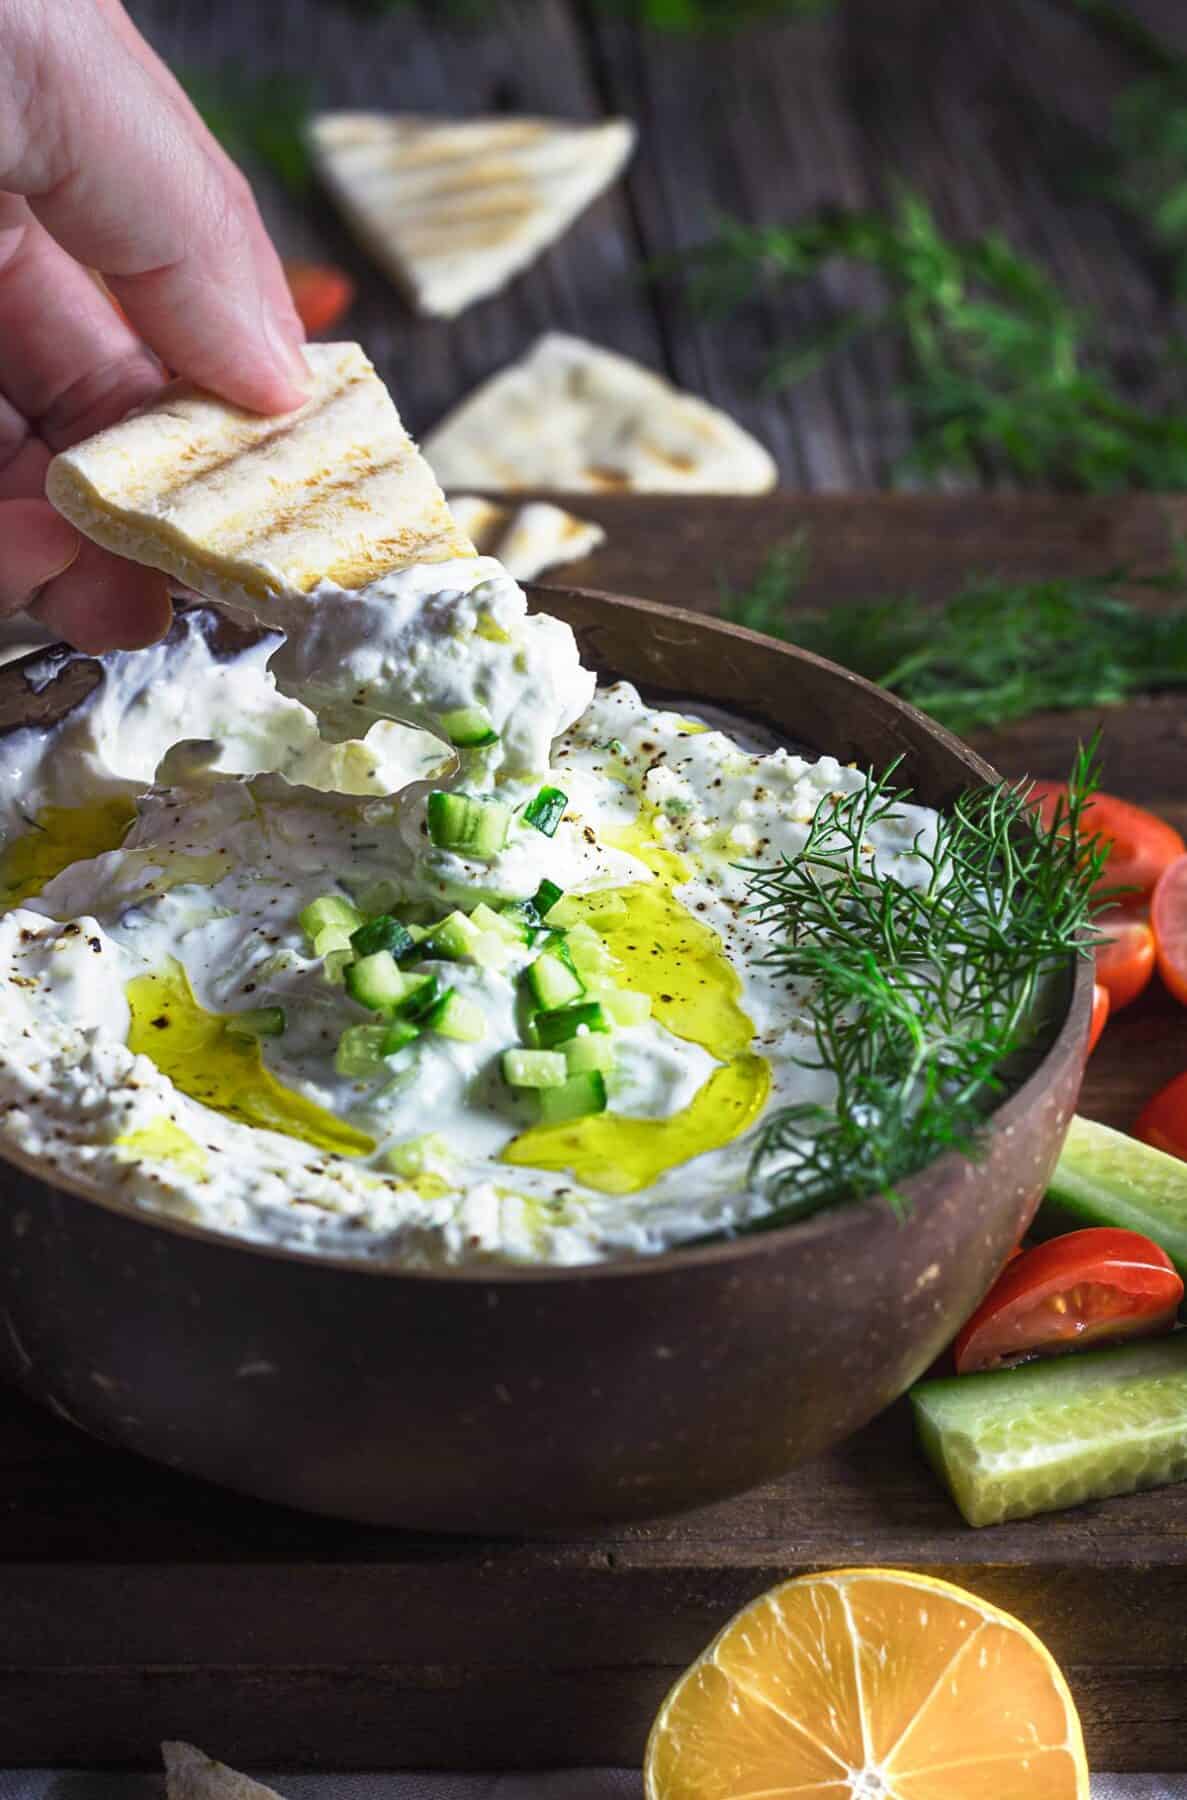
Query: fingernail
x=287 y=350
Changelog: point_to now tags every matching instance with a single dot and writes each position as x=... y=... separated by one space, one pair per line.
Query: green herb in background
x=1001 y=369
x=917 y=995
x=261 y=120
x=996 y=651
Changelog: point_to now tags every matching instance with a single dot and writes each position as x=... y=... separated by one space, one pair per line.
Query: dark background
x=991 y=108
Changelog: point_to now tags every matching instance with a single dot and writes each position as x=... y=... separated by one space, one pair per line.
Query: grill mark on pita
x=423 y=146
x=203 y=465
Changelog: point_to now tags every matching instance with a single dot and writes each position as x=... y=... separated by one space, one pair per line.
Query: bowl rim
x=1066 y=1044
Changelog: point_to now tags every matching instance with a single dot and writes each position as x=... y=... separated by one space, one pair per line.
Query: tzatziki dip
x=395 y=938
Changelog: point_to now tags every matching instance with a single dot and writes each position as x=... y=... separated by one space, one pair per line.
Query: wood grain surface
x=989 y=110
x=137 y=1604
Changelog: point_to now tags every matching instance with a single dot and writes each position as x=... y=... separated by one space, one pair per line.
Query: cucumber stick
x=1013 y=1442
x=1106 y=1178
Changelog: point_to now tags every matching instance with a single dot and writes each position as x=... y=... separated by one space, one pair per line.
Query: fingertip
x=101 y=603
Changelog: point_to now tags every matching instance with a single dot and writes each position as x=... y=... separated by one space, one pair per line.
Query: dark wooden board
x=135 y=1604
x=990 y=111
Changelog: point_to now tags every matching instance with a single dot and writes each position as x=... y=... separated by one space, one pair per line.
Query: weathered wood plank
x=529 y=59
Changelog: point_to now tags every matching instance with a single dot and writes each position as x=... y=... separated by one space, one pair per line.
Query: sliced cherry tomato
x=1168 y=916
x=1125 y=955
x=1100 y=1014
x=1141 y=845
x=321 y=294
x=1163 y=1120
x=1072 y=1291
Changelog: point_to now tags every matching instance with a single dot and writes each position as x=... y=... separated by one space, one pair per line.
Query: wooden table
x=136 y=1604
x=985 y=108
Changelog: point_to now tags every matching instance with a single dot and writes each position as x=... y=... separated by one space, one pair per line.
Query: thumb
x=36 y=544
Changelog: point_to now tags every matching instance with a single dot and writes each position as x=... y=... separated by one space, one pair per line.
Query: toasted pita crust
x=529 y=540
x=454 y=208
x=577 y=418
x=234 y=505
x=192 y=1775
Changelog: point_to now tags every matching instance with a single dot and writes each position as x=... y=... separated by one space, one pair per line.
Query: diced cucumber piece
x=335 y=964
x=534 y=1069
x=567 y=911
x=1104 y=1177
x=492 y=951
x=453 y=1016
x=398 y=1035
x=590 y=953
x=1013 y=1442
x=593 y=1050
x=257 y=1022
x=416 y=1155
x=604 y=908
x=454 y=938
x=469 y=727
x=330 y=909
x=502 y=924
x=383 y=933
x=557 y=1026
x=522 y=917
x=552 y=982
x=360 y=1050
x=376 y=982
x=421 y=994
x=473 y=828
x=331 y=938
x=580 y=1096
x=627 y=1007
x=546 y=811
x=546 y=897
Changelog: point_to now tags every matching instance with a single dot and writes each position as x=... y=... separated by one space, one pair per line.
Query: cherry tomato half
x=1125 y=955
x=1141 y=845
x=1163 y=1120
x=1168 y=916
x=1069 y=1292
x=1100 y=1014
x=321 y=294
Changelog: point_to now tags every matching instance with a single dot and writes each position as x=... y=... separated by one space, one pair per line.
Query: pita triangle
x=454 y=208
x=191 y=1775
x=527 y=540
x=234 y=505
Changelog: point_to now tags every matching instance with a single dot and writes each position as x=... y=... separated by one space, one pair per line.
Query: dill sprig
x=1002 y=366
x=922 y=992
x=995 y=650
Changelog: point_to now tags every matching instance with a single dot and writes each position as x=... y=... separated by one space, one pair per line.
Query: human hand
x=105 y=165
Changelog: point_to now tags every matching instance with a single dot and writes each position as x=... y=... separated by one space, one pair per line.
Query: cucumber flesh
x=474 y=828
x=469 y=727
x=580 y=1096
x=534 y=1068
x=258 y=1022
x=557 y=1027
x=553 y=983
x=376 y=982
x=330 y=909
x=1014 y=1442
x=1106 y=1178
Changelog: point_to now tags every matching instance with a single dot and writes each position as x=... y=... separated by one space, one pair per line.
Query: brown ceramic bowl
x=520 y=1400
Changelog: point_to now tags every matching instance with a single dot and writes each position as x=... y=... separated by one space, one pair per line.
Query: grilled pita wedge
x=529 y=540
x=454 y=208
x=577 y=418
x=191 y=1775
x=240 y=507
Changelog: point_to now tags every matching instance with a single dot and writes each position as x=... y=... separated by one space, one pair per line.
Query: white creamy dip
x=124 y=956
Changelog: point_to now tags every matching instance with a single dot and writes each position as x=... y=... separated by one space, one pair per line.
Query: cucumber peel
x=1010 y=1443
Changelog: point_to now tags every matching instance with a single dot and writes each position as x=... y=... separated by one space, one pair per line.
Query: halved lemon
x=869 y=1684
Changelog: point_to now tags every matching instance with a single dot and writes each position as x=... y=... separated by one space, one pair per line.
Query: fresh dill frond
x=763 y=606
x=996 y=650
x=923 y=993
x=1003 y=369
x=257 y=119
